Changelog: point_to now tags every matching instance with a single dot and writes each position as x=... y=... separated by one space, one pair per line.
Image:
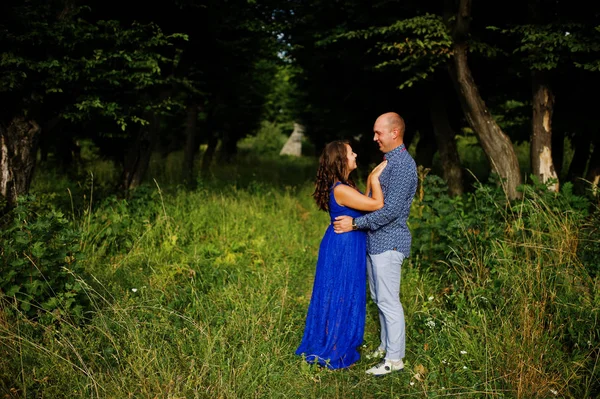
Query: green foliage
x=545 y=47
x=89 y=67
x=280 y=102
x=444 y=225
x=269 y=139
x=518 y=276
x=589 y=248
x=416 y=46
x=116 y=223
x=41 y=262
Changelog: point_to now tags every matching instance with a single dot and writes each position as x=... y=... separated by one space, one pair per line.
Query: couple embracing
x=367 y=231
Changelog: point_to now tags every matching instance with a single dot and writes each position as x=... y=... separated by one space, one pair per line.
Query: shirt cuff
x=361 y=222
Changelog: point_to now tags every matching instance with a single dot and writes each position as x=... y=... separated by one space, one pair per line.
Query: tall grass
x=203 y=294
x=531 y=305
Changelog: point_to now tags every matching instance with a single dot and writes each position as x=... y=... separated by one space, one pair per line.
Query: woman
x=336 y=315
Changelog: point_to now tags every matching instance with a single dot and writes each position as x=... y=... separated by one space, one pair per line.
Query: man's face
x=383 y=135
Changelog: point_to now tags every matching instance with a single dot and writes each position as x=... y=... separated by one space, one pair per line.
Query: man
x=388 y=239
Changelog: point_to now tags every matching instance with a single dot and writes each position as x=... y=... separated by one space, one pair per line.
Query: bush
x=39 y=262
x=269 y=140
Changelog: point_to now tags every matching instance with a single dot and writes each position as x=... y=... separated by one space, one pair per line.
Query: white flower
x=430 y=298
x=430 y=324
x=444 y=361
x=464 y=367
x=554 y=392
x=463 y=352
x=134 y=289
x=567 y=33
x=412 y=383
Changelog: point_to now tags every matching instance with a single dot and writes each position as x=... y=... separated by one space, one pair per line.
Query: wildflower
x=567 y=33
x=134 y=289
x=464 y=367
x=430 y=298
x=463 y=352
x=554 y=392
x=412 y=383
x=444 y=361
x=430 y=324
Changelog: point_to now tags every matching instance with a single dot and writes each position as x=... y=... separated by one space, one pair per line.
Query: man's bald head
x=389 y=131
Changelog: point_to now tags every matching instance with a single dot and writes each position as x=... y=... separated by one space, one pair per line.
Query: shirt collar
x=395 y=152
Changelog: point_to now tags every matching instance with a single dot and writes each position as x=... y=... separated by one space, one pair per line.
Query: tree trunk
x=593 y=173
x=558 y=152
x=213 y=140
x=542 y=164
x=138 y=156
x=581 y=153
x=446 y=142
x=191 y=145
x=228 y=148
x=48 y=137
x=19 y=140
x=426 y=147
x=496 y=145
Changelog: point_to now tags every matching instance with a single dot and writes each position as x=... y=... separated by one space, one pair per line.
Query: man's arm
x=401 y=187
x=344 y=224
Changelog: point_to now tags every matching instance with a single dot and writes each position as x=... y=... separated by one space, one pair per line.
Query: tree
x=496 y=144
x=58 y=62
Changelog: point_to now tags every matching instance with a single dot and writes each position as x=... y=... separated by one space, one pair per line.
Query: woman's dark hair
x=333 y=166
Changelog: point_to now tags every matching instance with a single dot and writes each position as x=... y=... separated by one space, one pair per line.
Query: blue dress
x=335 y=321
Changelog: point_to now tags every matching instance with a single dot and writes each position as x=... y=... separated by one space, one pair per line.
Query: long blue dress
x=335 y=321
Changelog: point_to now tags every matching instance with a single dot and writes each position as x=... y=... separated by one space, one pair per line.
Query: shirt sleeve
x=402 y=186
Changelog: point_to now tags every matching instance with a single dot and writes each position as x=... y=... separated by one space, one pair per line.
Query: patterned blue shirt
x=387 y=229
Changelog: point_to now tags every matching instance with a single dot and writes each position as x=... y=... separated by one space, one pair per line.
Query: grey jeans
x=384 y=272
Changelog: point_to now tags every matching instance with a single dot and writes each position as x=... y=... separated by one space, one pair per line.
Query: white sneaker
x=377 y=354
x=385 y=367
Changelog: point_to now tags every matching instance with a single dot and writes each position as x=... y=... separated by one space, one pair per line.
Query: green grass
x=203 y=294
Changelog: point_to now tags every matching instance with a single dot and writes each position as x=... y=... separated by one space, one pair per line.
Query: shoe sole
x=383 y=375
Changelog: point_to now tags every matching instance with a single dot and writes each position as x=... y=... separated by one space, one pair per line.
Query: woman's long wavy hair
x=333 y=166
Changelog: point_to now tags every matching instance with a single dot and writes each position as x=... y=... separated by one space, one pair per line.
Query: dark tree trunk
x=581 y=153
x=191 y=145
x=228 y=147
x=542 y=164
x=445 y=137
x=558 y=151
x=593 y=172
x=67 y=153
x=19 y=140
x=426 y=147
x=138 y=156
x=209 y=154
x=47 y=138
x=496 y=145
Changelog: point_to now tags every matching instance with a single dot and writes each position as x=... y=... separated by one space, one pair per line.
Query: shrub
x=39 y=262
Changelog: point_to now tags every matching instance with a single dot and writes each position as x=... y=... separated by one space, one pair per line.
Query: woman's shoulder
x=339 y=186
x=344 y=191
x=336 y=184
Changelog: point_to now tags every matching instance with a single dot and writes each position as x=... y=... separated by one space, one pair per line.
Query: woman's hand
x=376 y=172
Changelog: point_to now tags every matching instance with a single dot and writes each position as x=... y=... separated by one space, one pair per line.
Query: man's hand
x=342 y=224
